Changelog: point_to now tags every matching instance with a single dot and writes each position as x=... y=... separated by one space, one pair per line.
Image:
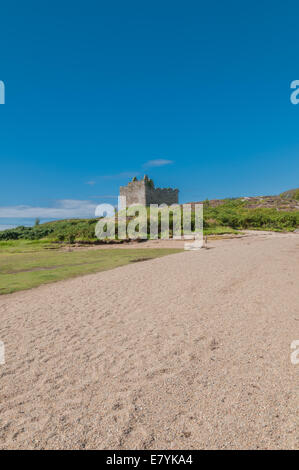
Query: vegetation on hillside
x=222 y=218
x=291 y=194
x=57 y=231
x=236 y=214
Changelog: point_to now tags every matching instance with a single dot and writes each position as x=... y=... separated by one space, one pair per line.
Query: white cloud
x=91 y=183
x=65 y=208
x=157 y=162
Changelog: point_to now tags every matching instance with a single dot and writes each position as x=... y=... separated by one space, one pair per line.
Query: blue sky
x=195 y=94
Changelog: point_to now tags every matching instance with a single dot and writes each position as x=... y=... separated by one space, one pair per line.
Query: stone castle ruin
x=144 y=192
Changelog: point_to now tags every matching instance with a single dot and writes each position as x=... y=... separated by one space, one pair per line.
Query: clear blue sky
x=95 y=90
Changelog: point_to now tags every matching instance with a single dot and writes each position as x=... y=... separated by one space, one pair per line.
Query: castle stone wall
x=161 y=196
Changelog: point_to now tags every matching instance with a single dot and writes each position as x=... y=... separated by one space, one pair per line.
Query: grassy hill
x=56 y=231
x=220 y=216
x=291 y=194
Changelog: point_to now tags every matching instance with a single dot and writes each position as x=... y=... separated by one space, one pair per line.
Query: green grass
x=24 y=265
x=23 y=246
x=220 y=230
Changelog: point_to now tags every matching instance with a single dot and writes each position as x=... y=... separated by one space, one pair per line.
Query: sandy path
x=186 y=351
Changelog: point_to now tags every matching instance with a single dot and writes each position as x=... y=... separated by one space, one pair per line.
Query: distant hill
x=291 y=194
x=287 y=201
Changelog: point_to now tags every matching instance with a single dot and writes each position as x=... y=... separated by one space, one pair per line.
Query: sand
x=189 y=351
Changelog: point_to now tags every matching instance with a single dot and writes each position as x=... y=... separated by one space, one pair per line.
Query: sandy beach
x=188 y=351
